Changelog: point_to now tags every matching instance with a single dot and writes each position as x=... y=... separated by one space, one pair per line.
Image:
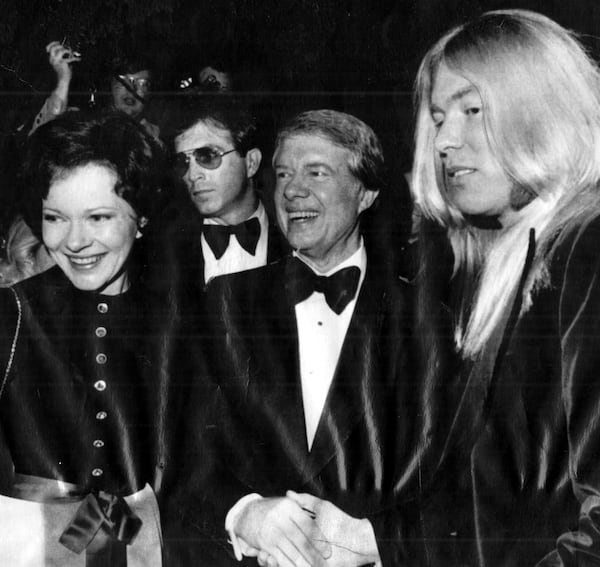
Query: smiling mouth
x=302 y=216
x=459 y=172
x=85 y=263
x=201 y=192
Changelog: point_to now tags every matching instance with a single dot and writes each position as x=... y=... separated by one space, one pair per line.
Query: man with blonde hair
x=507 y=169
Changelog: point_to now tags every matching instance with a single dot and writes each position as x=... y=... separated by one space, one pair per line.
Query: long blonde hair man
x=540 y=105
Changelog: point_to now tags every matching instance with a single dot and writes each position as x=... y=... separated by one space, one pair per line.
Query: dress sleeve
x=53 y=106
x=10 y=322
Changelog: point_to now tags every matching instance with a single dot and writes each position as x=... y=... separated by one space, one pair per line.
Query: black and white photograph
x=300 y=283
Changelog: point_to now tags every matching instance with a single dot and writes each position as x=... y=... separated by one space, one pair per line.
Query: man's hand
x=283 y=531
x=352 y=540
x=60 y=58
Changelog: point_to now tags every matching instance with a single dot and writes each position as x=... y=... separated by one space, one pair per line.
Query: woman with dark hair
x=507 y=170
x=80 y=391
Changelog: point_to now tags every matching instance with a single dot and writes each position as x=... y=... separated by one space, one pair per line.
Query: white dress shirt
x=236 y=259
x=321 y=334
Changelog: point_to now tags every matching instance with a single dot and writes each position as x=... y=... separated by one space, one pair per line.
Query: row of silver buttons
x=100 y=385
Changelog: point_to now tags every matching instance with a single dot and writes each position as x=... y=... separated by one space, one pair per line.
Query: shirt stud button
x=98 y=443
x=97 y=472
x=101 y=415
x=102 y=308
x=101 y=358
x=100 y=385
x=101 y=332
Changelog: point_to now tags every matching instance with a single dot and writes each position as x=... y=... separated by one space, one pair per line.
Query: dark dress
x=81 y=403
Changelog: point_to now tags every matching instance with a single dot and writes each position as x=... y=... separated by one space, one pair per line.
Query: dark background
x=359 y=56
x=312 y=45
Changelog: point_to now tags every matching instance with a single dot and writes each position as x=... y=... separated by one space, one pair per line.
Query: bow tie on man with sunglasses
x=216 y=158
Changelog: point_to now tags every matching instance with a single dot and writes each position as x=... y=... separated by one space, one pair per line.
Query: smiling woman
x=78 y=402
x=89 y=230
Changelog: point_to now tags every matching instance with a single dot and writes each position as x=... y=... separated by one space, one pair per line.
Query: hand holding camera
x=60 y=56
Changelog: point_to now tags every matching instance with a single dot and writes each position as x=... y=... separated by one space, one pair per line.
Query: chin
x=85 y=283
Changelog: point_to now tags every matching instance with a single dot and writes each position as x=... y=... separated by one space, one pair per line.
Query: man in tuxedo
x=229 y=231
x=312 y=383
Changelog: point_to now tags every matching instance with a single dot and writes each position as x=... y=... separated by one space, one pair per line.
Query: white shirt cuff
x=231 y=519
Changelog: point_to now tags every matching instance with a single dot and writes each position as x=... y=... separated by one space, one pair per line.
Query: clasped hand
x=282 y=530
x=302 y=530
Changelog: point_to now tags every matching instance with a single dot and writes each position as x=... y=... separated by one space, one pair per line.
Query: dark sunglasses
x=205 y=157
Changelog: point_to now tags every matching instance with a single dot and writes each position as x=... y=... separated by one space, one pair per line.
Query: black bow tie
x=247 y=234
x=339 y=288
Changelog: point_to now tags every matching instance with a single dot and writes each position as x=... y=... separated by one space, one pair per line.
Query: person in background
x=130 y=87
x=222 y=226
x=507 y=178
x=25 y=254
x=82 y=420
x=215 y=77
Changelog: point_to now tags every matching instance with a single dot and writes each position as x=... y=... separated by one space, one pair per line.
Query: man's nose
x=295 y=187
x=450 y=135
x=194 y=170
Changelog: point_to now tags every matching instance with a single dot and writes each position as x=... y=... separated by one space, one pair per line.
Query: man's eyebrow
x=460 y=93
x=318 y=163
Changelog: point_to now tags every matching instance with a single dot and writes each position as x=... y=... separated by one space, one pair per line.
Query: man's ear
x=367 y=199
x=253 y=159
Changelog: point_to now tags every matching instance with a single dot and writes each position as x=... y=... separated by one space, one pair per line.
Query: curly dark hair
x=76 y=139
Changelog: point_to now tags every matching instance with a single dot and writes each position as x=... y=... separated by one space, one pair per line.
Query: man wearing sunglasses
x=217 y=159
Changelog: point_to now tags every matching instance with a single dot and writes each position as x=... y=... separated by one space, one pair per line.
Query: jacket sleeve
x=579 y=321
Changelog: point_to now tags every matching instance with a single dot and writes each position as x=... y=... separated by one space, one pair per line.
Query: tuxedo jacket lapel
x=345 y=404
x=277 y=246
x=277 y=391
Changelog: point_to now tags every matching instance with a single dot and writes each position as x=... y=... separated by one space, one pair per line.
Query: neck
x=241 y=211
x=334 y=257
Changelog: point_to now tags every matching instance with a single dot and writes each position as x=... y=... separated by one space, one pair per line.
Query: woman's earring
x=142 y=222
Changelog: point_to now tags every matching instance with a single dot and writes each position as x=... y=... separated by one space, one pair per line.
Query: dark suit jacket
x=178 y=262
x=520 y=484
x=248 y=410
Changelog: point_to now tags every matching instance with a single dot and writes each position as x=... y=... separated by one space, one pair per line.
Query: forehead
x=91 y=184
x=305 y=149
x=203 y=134
x=449 y=86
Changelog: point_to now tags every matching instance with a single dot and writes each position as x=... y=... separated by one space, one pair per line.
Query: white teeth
x=299 y=215
x=85 y=261
x=460 y=172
